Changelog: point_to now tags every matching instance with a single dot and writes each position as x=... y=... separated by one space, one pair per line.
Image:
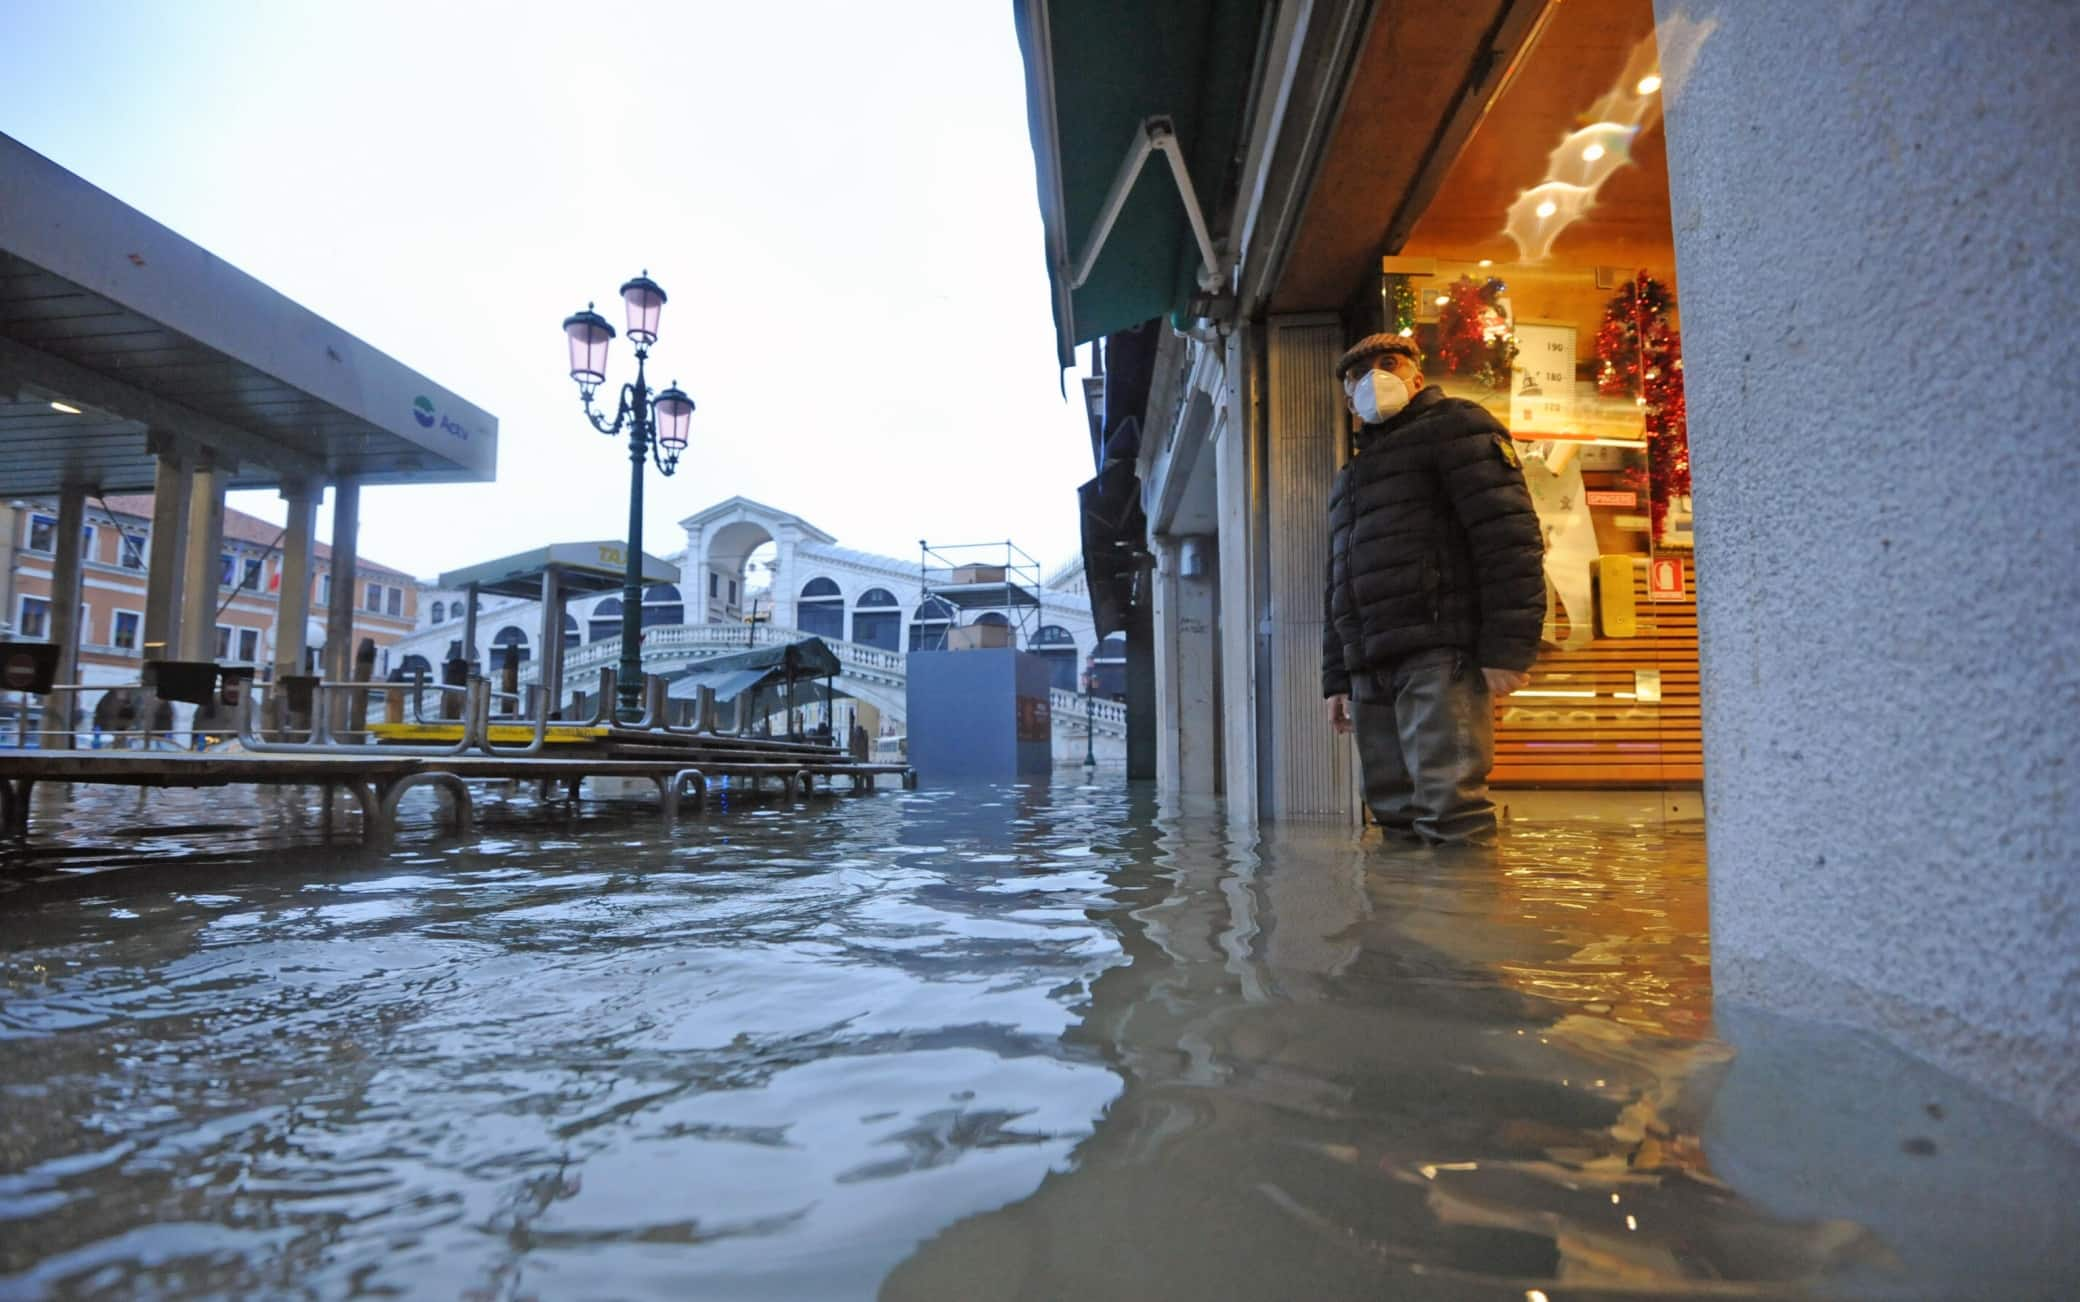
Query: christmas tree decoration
x=1473 y=331
x=1400 y=295
x=1642 y=356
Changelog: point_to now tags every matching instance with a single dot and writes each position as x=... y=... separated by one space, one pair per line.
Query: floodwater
x=1030 y=1042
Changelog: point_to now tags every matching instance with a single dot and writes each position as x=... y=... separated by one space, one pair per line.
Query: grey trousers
x=1426 y=740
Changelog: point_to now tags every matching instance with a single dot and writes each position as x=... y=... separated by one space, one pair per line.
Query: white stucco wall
x=1876 y=247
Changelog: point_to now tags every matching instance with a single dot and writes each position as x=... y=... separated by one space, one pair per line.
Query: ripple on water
x=1042 y=1043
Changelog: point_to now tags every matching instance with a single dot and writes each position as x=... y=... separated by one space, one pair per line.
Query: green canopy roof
x=1096 y=72
x=741 y=671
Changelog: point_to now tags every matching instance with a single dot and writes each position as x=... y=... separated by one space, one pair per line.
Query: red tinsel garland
x=1642 y=356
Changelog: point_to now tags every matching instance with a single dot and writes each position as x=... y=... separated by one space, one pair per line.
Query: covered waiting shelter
x=550 y=575
x=731 y=676
x=134 y=360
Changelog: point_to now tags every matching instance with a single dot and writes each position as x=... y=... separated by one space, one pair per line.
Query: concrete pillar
x=1312 y=769
x=171 y=491
x=550 y=651
x=1237 y=453
x=1187 y=657
x=1141 y=692
x=1877 y=346
x=293 y=598
x=346 y=559
x=201 y=563
x=66 y=590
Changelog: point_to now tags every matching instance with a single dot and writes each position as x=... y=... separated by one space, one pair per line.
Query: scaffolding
x=983 y=578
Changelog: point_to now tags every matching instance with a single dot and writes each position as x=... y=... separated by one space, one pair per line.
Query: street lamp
x=1090 y=716
x=656 y=427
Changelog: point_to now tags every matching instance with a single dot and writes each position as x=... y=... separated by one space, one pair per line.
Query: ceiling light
x=1548 y=208
x=1592 y=153
x=65 y=407
x=1649 y=83
x=1444 y=300
x=1407 y=331
x=1487 y=262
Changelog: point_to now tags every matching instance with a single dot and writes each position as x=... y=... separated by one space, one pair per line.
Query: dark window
x=227 y=569
x=876 y=599
x=375 y=598
x=714 y=584
x=411 y=666
x=928 y=626
x=393 y=603
x=993 y=617
x=132 y=557
x=248 y=645
x=571 y=636
x=324 y=589
x=123 y=633
x=662 y=605
x=605 y=621
x=250 y=578
x=35 y=623
x=1053 y=635
x=509 y=636
x=878 y=628
x=1057 y=646
x=440 y=611
x=821 y=610
x=223 y=642
x=732 y=592
x=43 y=533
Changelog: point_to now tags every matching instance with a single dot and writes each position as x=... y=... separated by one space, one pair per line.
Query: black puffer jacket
x=1433 y=542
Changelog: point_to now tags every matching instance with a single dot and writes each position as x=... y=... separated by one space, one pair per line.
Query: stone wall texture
x=1874 y=203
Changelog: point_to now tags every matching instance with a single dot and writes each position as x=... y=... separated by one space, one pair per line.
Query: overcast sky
x=838 y=198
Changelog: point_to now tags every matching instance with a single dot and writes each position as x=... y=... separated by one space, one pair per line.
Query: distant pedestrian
x=861 y=743
x=1435 y=597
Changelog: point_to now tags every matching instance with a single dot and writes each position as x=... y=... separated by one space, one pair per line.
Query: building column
x=171 y=492
x=1237 y=455
x=293 y=595
x=66 y=591
x=549 y=666
x=1313 y=769
x=1885 y=528
x=201 y=563
x=346 y=560
x=1185 y=651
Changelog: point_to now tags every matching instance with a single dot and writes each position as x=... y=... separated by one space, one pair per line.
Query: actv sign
x=424 y=412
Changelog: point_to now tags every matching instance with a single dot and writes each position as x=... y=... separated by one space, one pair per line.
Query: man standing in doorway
x=1436 y=594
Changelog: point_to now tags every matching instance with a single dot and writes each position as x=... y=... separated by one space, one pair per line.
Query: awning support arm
x=1156 y=133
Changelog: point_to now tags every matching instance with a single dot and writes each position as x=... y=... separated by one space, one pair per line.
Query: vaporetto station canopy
x=104 y=310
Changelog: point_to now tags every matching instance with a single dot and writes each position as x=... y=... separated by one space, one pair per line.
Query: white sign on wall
x=1541 y=382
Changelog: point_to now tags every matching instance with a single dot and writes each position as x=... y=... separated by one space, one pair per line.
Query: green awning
x=1097 y=73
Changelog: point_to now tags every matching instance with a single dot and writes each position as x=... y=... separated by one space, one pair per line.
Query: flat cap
x=1372 y=346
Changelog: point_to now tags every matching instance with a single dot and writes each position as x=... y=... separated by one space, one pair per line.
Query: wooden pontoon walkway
x=680 y=765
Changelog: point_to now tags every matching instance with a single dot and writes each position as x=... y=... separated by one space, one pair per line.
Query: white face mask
x=1377 y=395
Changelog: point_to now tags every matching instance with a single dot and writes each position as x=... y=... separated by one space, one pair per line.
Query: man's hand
x=1502 y=682
x=1340 y=712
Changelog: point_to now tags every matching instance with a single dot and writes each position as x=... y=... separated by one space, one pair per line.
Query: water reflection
x=1014 y=1042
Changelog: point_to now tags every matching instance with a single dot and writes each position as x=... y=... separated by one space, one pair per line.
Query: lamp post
x=656 y=426
x=1090 y=716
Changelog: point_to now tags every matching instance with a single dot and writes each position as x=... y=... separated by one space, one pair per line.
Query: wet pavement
x=1022 y=1042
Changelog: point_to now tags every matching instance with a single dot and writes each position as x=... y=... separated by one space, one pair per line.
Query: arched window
x=440 y=611
x=571 y=636
x=509 y=636
x=877 y=620
x=410 y=666
x=661 y=605
x=1110 y=664
x=928 y=626
x=605 y=621
x=820 y=612
x=992 y=617
x=1057 y=646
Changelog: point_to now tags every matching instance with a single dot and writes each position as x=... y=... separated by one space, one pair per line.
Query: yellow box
x=1617 y=610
